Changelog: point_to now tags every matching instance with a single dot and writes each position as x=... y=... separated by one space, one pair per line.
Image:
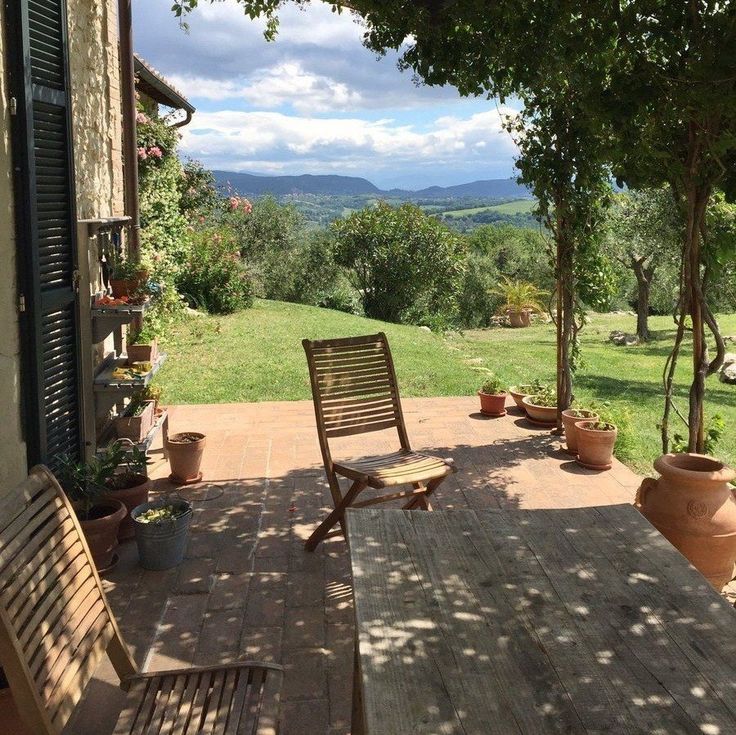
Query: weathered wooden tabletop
x=535 y=621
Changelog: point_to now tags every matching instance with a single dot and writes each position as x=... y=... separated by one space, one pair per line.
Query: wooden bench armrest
x=126 y=681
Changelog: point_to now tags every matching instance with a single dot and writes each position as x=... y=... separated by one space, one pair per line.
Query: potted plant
x=569 y=418
x=493 y=398
x=519 y=392
x=126 y=278
x=161 y=531
x=153 y=393
x=541 y=408
x=136 y=420
x=128 y=482
x=596 y=440
x=142 y=347
x=692 y=505
x=100 y=515
x=521 y=298
x=185 y=452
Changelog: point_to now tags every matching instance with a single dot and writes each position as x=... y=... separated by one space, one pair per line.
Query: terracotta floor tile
x=252 y=592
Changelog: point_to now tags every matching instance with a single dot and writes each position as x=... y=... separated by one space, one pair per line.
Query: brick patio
x=247 y=589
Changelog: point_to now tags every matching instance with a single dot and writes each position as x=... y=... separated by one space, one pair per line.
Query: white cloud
x=272 y=142
x=288 y=83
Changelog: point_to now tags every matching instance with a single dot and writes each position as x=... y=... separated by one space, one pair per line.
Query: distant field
x=519 y=206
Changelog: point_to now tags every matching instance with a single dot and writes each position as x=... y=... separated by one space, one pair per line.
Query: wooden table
x=534 y=621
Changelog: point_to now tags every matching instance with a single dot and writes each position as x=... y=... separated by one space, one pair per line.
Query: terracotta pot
x=123 y=286
x=569 y=419
x=130 y=497
x=185 y=457
x=526 y=320
x=101 y=531
x=9 y=716
x=492 y=404
x=595 y=446
x=142 y=353
x=692 y=505
x=516 y=318
x=518 y=394
x=546 y=415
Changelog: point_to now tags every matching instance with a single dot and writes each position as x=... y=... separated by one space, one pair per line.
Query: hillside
x=334 y=185
x=307 y=183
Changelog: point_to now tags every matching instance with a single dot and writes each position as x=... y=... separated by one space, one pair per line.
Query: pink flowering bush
x=215 y=277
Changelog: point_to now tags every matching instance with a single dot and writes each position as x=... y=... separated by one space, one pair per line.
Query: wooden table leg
x=357 y=726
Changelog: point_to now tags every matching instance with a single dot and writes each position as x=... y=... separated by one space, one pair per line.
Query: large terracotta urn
x=693 y=506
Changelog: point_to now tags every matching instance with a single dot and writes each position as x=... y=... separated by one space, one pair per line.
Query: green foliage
x=197 y=191
x=84 y=482
x=493 y=386
x=519 y=295
x=714 y=432
x=126 y=270
x=215 y=277
x=164 y=243
x=407 y=266
x=544 y=396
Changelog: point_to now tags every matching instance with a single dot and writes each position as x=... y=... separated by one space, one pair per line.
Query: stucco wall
x=12 y=448
x=95 y=76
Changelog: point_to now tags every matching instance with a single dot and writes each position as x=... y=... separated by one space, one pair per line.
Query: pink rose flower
x=142 y=154
x=142 y=119
x=247 y=206
x=234 y=203
x=155 y=151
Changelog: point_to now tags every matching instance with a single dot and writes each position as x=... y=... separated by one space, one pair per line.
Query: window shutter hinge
x=13 y=106
x=21 y=303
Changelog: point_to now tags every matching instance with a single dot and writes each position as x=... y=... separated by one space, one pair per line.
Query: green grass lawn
x=518 y=206
x=256 y=355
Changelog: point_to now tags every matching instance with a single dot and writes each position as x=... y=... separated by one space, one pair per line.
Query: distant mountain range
x=333 y=185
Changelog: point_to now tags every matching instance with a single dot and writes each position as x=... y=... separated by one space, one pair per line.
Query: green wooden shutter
x=46 y=218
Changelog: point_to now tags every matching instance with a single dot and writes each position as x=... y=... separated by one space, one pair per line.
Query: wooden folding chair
x=355 y=391
x=55 y=626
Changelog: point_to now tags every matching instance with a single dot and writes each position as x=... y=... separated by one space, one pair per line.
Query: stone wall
x=96 y=107
x=12 y=447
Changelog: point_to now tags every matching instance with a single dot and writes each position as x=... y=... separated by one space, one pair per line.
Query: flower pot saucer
x=191 y=481
x=493 y=415
x=598 y=467
x=113 y=563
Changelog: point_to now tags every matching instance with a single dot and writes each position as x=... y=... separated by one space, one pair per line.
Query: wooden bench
x=56 y=626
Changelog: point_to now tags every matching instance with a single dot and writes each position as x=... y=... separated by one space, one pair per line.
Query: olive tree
x=642 y=233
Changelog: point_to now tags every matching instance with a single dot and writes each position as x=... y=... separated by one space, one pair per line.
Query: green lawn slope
x=256 y=355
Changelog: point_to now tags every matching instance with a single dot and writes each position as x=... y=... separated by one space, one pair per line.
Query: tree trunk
x=644 y=277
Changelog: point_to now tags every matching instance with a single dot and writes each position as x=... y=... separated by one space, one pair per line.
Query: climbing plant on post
x=670 y=99
x=561 y=161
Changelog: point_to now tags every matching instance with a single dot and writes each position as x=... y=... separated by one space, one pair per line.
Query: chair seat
x=397 y=468
x=240 y=699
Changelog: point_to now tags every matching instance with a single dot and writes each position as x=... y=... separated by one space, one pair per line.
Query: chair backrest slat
x=55 y=623
x=354 y=387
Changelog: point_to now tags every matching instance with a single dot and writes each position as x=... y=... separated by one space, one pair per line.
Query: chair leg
x=335 y=517
x=423 y=500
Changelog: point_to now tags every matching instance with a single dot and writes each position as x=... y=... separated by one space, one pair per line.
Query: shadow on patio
x=247 y=588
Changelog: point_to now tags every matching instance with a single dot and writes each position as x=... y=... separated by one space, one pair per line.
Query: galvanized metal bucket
x=162 y=545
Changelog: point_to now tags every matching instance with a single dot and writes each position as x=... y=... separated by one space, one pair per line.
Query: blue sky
x=315 y=100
